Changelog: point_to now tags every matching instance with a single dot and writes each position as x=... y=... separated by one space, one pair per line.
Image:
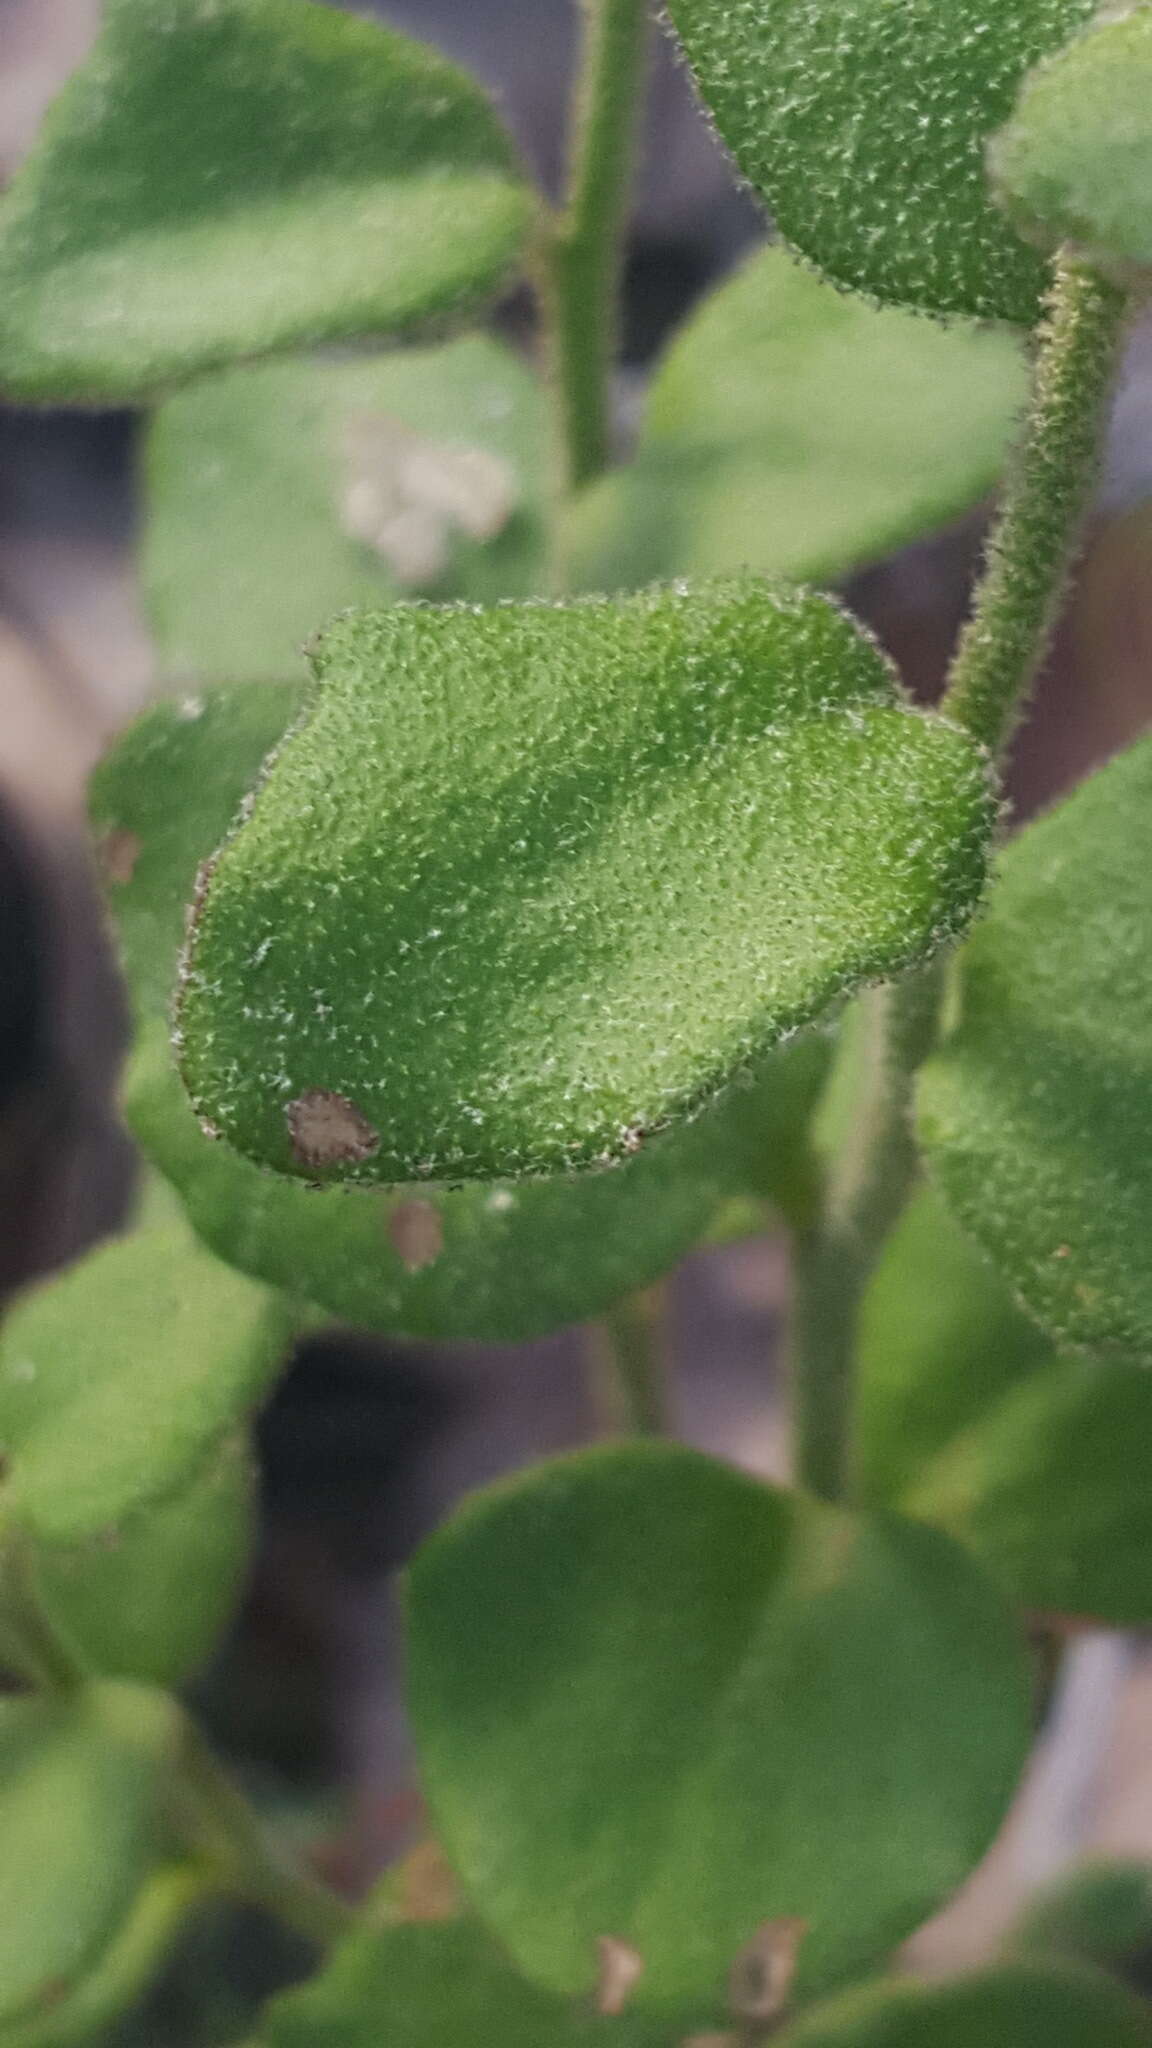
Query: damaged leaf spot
x=408 y=497
x=760 y=1984
x=326 y=1128
x=621 y=1968
x=416 y=1233
x=118 y=852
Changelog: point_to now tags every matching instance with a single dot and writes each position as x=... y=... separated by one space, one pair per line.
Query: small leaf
x=284 y=492
x=443 y=1986
x=1036 y=1113
x=118 y=1382
x=1075 y=162
x=739 y=1695
x=227 y=177
x=79 y=1787
x=1018 y=2005
x=565 y=870
x=802 y=433
x=515 y=1259
x=148 y=1598
x=862 y=124
x=941 y=1343
x=969 y=1419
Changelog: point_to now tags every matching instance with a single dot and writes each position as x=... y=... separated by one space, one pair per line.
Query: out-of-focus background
x=363 y=1448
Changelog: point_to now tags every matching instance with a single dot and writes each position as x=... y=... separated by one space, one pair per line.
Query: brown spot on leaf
x=760 y=1981
x=326 y=1128
x=416 y=1233
x=621 y=1968
x=118 y=852
x=427 y=1890
x=1062 y=1251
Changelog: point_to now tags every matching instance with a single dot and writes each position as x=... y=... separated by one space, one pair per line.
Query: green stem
x=1033 y=544
x=867 y=1188
x=216 y=1820
x=582 y=255
x=628 y=1364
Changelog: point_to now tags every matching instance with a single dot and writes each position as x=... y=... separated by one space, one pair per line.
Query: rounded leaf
x=862 y=123
x=1036 y=1113
x=281 y=493
x=657 y=1702
x=1075 y=162
x=525 y=886
x=1017 y=2006
x=223 y=180
x=80 y=1781
x=501 y=1262
x=794 y=430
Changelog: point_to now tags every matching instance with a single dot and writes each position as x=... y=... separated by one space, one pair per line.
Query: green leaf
x=1075 y=162
x=118 y=1382
x=79 y=1786
x=941 y=1342
x=1016 y=2006
x=263 y=483
x=801 y=432
x=444 y=1986
x=1098 y=1912
x=968 y=1418
x=862 y=124
x=1036 y=1113
x=151 y=1601
x=746 y=1707
x=527 y=885
x=513 y=1259
x=224 y=180
x=123 y=1971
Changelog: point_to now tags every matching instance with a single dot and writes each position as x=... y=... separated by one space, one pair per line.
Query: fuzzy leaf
x=227 y=177
x=265 y=483
x=444 y=1986
x=1036 y=1113
x=79 y=1786
x=512 y=1260
x=1019 y=2005
x=739 y=1695
x=1075 y=162
x=862 y=124
x=527 y=885
x=802 y=433
x=118 y=1382
x=969 y=1419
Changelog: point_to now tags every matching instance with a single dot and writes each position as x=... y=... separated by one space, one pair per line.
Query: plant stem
x=219 y=1824
x=1032 y=547
x=867 y=1188
x=629 y=1367
x=582 y=254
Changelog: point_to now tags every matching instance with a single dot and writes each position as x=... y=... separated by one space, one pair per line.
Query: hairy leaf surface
x=527 y=885
x=862 y=123
x=747 y=1708
x=227 y=177
x=1075 y=162
x=499 y=1262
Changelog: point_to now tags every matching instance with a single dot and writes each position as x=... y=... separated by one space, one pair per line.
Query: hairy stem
x=628 y=1366
x=582 y=255
x=1032 y=547
x=867 y=1188
x=218 y=1823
